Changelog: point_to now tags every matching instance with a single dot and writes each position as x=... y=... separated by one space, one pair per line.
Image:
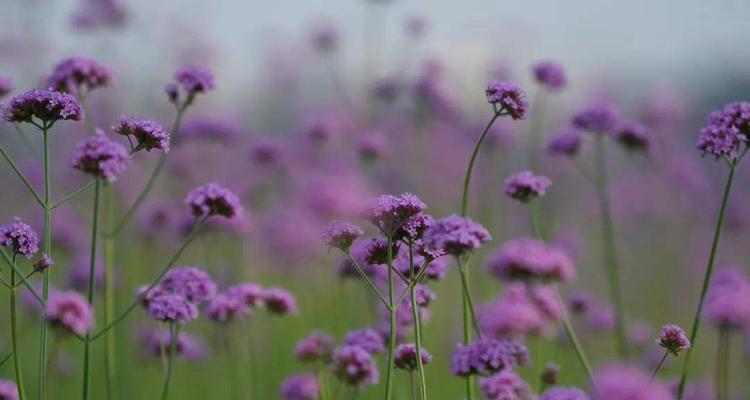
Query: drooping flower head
x=564 y=393
x=354 y=366
x=506 y=385
x=148 y=134
x=508 y=98
x=673 y=339
x=8 y=390
x=726 y=131
x=455 y=235
x=406 y=357
x=368 y=339
x=79 y=74
x=619 y=382
x=486 y=356
x=212 y=199
x=566 y=143
x=6 y=86
x=317 y=346
x=600 y=117
x=632 y=135
x=525 y=186
x=389 y=213
x=19 y=238
x=280 y=302
x=193 y=283
x=70 y=312
x=341 y=235
x=172 y=307
x=100 y=156
x=531 y=259
x=300 y=387
x=225 y=308
x=47 y=106
x=190 y=81
x=550 y=75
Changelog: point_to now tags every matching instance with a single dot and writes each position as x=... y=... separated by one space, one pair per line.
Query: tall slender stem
x=575 y=342
x=470 y=168
x=21 y=176
x=719 y=372
x=43 y=334
x=174 y=330
x=417 y=326
x=90 y=293
x=706 y=280
x=14 y=335
x=659 y=365
x=535 y=127
x=610 y=252
x=392 y=320
x=109 y=297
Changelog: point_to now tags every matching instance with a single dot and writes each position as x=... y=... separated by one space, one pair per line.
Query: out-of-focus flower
x=79 y=75
x=565 y=143
x=325 y=37
x=317 y=346
x=280 y=302
x=300 y=387
x=632 y=135
x=19 y=238
x=508 y=97
x=673 y=339
x=219 y=130
x=172 y=307
x=190 y=81
x=225 y=308
x=212 y=199
x=158 y=342
x=550 y=374
x=354 y=366
x=415 y=26
x=193 y=283
x=148 y=134
x=550 y=75
x=515 y=314
x=94 y=14
x=600 y=117
x=8 y=390
x=564 y=393
x=78 y=275
x=531 y=259
x=486 y=356
x=341 y=235
x=455 y=235
x=406 y=357
x=728 y=300
x=389 y=213
x=43 y=263
x=525 y=186
x=249 y=293
x=100 y=156
x=46 y=105
x=580 y=302
x=6 y=86
x=601 y=318
x=506 y=385
x=618 y=382
x=368 y=339
x=70 y=312
x=372 y=145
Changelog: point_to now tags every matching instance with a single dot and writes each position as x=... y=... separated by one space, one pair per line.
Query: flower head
x=172 y=307
x=300 y=387
x=212 y=199
x=389 y=213
x=76 y=74
x=726 y=131
x=317 y=346
x=46 y=105
x=377 y=251
x=550 y=374
x=70 y=312
x=100 y=156
x=147 y=133
x=528 y=259
x=509 y=97
x=249 y=293
x=354 y=366
x=341 y=235
x=600 y=117
x=619 y=382
x=8 y=390
x=566 y=143
x=632 y=135
x=728 y=300
x=455 y=235
x=19 y=238
x=368 y=339
x=43 y=263
x=506 y=385
x=524 y=186
x=194 y=79
x=550 y=75
x=225 y=308
x=6 y=86
x=486 y=356
x=280 y=302
x=190 y=282
x=406 y=357
x=673 y=339
x=564 y=393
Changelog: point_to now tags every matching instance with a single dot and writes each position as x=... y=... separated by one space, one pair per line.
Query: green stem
x=22 y=177
x=658 y=366
x=392 y=315
x=90 y=293
x=472 y=160
x=536 y=220
x=109 y=298
x=417 y=327
x=610 y=251
x=576 y=344
x=174 y=330
x=14 y=336
x=6 y=359
x=706 y=280
x=43 y=333
x=464 y=274
x=535 y=125
x=73 y=194
x=367 y=279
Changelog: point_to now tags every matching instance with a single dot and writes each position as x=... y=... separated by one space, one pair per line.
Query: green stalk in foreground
x=174 y=330
x=392 y=332
x=43 y=334
x=110 y=362
x=14 y=334
x=90 y=293
x=417 y=326
x=707 y=278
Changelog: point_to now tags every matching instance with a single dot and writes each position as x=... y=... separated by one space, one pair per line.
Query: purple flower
x=158 y=342
x=6 y=86
x=455 y=235
x=148 y=134
x=550 y=75
x=101 y=157
x=515 y=314
x=341 y=235
x=93 y=14
x=20 y=238
x=76 y=74
x=8 y=390
x=280 y=302
x=566 y=143
x=415 y=26
x=78 y=277
x=486 y=356
x=43 y=263
x=317 y=346
x=564 y=393
x=193 y=80
x=225 y=308
x=673 y=339
x=550 y=374
x=406 y=357
x=506 y=385
x=325 y=37
x=619 y=382
x=190 y=282
x=46 y=105
x=220 y=130
x=600 y=117
x=377 y=251
x=728 y=301
x=580 y=302
x=368 y=339
x=436 y=269
x=509 y=97
x=354 y=366
x=524 y=186
x=372 y=145
x=249 y=293
x=529 y=259
x=389 y=213
x=172 y=307
x=213 y=199
x=300 y=387
x=632 y=135
x=70 y=312
x=726 y=131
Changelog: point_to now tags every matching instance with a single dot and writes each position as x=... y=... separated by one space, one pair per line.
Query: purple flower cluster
x=213 y=199
x=8 y=390
x=219 y=130
x=341 y=235
x=225 y=308
x=522 y=310
x=300 y=387
x=317 y=346
x=46 y=105
x=486 y=356
x=728 y=300
x=177 y=296
x=249 y=293
x=619 y=382
x=190 y=81
x=70 y=312
x=389 y=213
x=564 y=393
x=525 y=186
x=280 y=302
x=566 y=143
x=673 y=339
x=531 y=259
x=550 y=75
x=406 y=357
x=77 y=74
x=19 y=238
x=726 y=131
x=601 y=117
x=148 y=134
x=100 y=156
x=507 y=385
x=632 y=135
x=509 y=97
x=368 y=339
x=354 y=366
x=172 y=307
x=455 y=235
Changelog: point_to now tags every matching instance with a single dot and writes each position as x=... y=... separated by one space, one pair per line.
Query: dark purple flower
x=194 y=79
x=43 y=263
x=372 y=145
x=317 y=346
x=726 y=131
x=249 y=293
x=486 y=356
x=354 y=366
x=8 y=390
x=70 y=312
x=414 y=227
x=506 y=385
x=46 y=105
x=76 y=74
x=341 y=235
x=529 y=259
x=564 y=393
x=388 y=212
x=148 y=134
x=550 y=374
x=510 y=98
x=19 y=238
x=78 y=276
x=368 y=339
x=524 y=186
x=673 y=339
x=300 y=387
x=280 y=302
x=377 y=251
x=566 y=143
x=455 y=235
x=600 y=117
x=625 y=383
x=193 y=283
x=632 y=135
x=212 y=199
x=6 y=86
x=406 y=357
x=100 y=156
x=728 y=300
x=172 y=307
x=225 y=308
x=580 y=302
x=550 y=74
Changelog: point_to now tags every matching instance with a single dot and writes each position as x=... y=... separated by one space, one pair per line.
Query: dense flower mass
x=45 y=105
x=529 y=259
x=100 y=156
x=172 y=307
x=354 y=366
x=76 y=74
x=317 y=346
x=148 y=134
x=486 y=356
x=194 y=80
x=389 y=213
x=406 y=357
x=525 y=186
x=249 y=293
x=566 y=143
x=632 y=135
x=280 y=302
x=19 y=238
x=190 y=282
x=550 y=75
x=225 y=308
x=506 y=385
x=213 y=199
x=8 y=390
x=368 y=339
x=70 y=312
x=455 y=235
x=673 y=339
x=341 y=235
x=600 y=117
x=508 y=97
x=726 y=131
x=300 y=387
